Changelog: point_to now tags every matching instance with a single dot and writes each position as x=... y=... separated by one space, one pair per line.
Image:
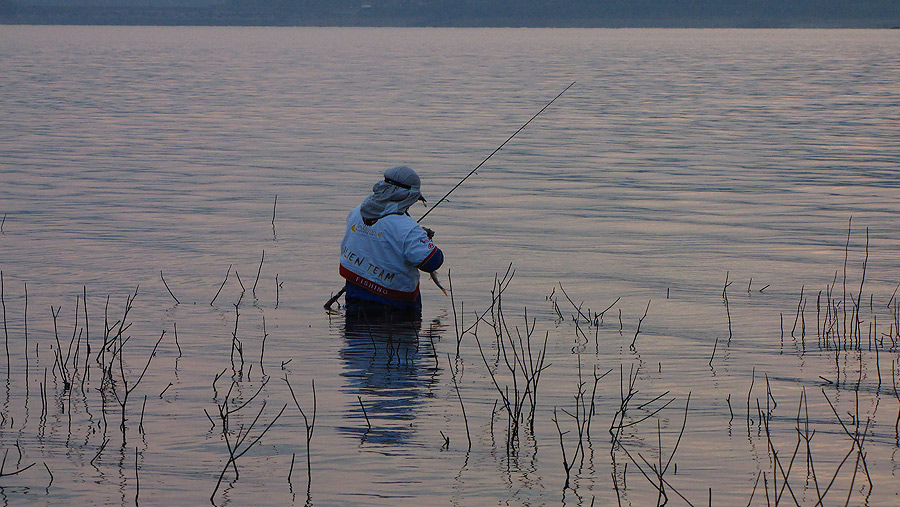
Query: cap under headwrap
x=399 y=190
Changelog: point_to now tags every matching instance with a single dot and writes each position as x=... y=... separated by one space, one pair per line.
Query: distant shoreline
x=218 y=16
x=150 y=23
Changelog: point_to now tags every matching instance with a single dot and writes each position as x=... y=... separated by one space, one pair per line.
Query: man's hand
x=429 y=232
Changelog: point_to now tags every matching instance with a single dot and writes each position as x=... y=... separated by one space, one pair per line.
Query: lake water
x=681 y=160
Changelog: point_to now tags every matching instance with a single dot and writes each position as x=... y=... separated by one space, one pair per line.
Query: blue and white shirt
x=384 y=256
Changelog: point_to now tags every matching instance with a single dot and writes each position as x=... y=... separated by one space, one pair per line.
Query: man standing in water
x=384 y=249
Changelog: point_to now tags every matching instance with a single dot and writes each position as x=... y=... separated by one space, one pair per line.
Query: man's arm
x=420 y=251
x=433 y=261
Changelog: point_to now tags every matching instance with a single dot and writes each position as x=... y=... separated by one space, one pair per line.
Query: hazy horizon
x=568 y=13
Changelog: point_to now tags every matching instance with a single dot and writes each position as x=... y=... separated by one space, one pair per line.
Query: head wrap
x=394 y=195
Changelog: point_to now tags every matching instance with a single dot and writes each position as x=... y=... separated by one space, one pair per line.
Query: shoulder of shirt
x=404 y=226
x=404 y=221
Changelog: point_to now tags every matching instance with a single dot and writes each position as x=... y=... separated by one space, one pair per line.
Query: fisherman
x=384 y=249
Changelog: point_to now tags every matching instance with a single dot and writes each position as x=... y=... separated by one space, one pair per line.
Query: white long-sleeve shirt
x=385 y=257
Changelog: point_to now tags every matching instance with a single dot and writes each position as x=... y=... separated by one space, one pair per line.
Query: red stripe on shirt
x=377 y=288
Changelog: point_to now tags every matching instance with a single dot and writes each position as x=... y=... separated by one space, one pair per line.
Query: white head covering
x=394 y=195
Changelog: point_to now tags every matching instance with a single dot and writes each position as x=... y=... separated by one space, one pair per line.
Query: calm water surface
x=681 y=160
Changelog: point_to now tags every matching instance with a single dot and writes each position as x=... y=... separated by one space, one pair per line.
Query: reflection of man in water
x=392 y=367
x=384 y=249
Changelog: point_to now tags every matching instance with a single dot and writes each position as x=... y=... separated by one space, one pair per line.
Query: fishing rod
x=494 y=152
x=460 y=182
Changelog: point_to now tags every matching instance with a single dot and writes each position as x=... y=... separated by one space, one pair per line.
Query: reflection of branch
x=234 y=452
x=680 y=434
x=566 y=465
x=858 y=440
x=896 y=395
x=663 y=480
x=3 y=464
x=456 y=322
x=310 y=427
x=100 y=451
x=453 y=374
x=840 y=465
x=5 y=330
x=137 y=478
x=659 y=470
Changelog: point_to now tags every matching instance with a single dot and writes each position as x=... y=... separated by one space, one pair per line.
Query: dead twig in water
x=893 y=296
x=237 y=344
x=274 y=205
x=576 y=307
x=261 y=261
x=598 y=317
x=144 y=407
x=235 y=452
x=262 y=350
x=126 y=391
x=363 y=407
x=175 y=326
x=278 y=287
x=221 y=286
x=167 y=288
x=567 y=466
x=846 y=254
x=516 y=354
x=243 y=289
x=638 y=330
